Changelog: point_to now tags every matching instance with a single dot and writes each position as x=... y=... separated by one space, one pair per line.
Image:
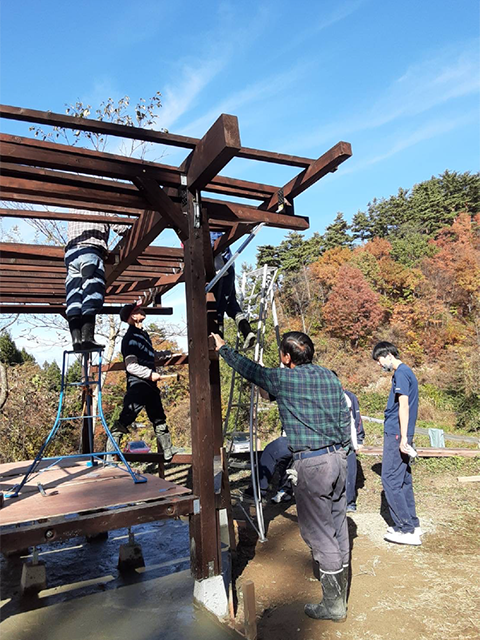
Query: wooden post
x=204 y=543
x=249 y=610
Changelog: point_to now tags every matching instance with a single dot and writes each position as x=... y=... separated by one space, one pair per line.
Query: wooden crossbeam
x=230 y=212
x=96 y=126
x=214 y=151
x=136 y=133
x=327 y=163
x=145 y=229
x=159 y=200
x=63 y=216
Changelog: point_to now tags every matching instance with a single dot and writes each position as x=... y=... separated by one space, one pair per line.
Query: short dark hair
x=383 y=349
x=298 y=346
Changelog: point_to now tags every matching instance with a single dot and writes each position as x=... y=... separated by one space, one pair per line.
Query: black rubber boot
x=332 y=606
x=75 y=326
x=88 y=334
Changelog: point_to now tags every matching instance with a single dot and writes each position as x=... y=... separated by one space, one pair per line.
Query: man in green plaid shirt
x=316 y=419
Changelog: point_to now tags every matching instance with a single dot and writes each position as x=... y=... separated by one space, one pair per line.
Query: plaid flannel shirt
x=311 y=402
x=91 y=233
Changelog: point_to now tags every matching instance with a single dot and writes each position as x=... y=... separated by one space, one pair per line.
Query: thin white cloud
x=431 y=130
x=448 y=75
x=264 y=89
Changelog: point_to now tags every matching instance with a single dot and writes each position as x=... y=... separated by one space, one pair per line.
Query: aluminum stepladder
x=87 y=384
x=257 y=299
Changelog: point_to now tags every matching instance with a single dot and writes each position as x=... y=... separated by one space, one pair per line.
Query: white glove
x=292 y=475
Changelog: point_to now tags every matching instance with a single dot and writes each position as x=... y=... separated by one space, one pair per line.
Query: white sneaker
x=403 y=538
x=418 y=531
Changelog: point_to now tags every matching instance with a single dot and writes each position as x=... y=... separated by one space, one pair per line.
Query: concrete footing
x=34 y=577
x=130 y=556
x=211 y=594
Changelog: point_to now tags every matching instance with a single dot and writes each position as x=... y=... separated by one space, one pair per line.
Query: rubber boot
x=344 y=583
x=332 y=606
x=245 y=329
x=75 y=326
x=164 y=441
x=118 y=430
x=88 y=334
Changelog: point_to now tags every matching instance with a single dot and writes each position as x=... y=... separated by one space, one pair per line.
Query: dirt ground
x=429 y=592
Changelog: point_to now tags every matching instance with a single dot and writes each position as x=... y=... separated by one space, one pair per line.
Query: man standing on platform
x=85 y=252
x=399 y=430
x=142 y=391
x=316 y=419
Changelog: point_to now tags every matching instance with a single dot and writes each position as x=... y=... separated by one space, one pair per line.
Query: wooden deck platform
x=81 y=500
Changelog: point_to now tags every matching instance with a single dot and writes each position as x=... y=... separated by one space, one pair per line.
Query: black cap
x=127 y=310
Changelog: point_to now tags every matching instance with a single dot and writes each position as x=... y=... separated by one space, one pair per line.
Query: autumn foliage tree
x=353 y=311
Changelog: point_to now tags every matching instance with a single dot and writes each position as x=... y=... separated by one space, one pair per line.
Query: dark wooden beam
x=214 y=151
x=230 y=212
x=159 y=200
x=55 y=529
x=277 y=158
x=325 y=164
x=205 y=556
x=96 y=126
x=60 y=308
x=62 y=216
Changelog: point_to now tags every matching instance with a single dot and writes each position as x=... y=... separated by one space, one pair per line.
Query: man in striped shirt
x=86 y=249
x=316 y=419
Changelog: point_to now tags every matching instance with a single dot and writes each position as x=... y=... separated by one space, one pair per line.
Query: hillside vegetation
x=406 y=270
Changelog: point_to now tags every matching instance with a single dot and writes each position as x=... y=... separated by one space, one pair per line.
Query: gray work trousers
x=321 y=508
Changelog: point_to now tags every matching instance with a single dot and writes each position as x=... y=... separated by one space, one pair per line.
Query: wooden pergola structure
x=150 y=197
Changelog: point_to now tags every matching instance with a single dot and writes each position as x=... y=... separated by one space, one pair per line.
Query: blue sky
x=399 y=81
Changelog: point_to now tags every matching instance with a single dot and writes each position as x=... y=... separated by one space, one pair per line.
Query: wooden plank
x=56 y=529
x=232 y=212
x=277 y=158
x=214 y=151
x=50 y=155
x=159 y=200
x=71 y=490
x=35 y=192
x=64 y=216
x=468 y=478
x=205 y=546
x=96 y=126
x=144 y=231
x=48 y=308
x=249 y=610
x=327 y=163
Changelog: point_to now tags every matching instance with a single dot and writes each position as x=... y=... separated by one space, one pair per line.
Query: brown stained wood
x=214 y=151
x=328 y=162
x=50 y=155
x=159 y=200
x=230 y=212
x=35 y=191
x=24 y=306
x=272 y=156
x=96 y=126
x=205 y=545
x=64 y=216
x=56 y=529
x=79 y=489
x=148 y=226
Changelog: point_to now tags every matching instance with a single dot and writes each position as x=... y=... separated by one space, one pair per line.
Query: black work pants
x=142 y=395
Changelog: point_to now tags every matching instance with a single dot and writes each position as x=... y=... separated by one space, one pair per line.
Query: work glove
x=292 y=475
